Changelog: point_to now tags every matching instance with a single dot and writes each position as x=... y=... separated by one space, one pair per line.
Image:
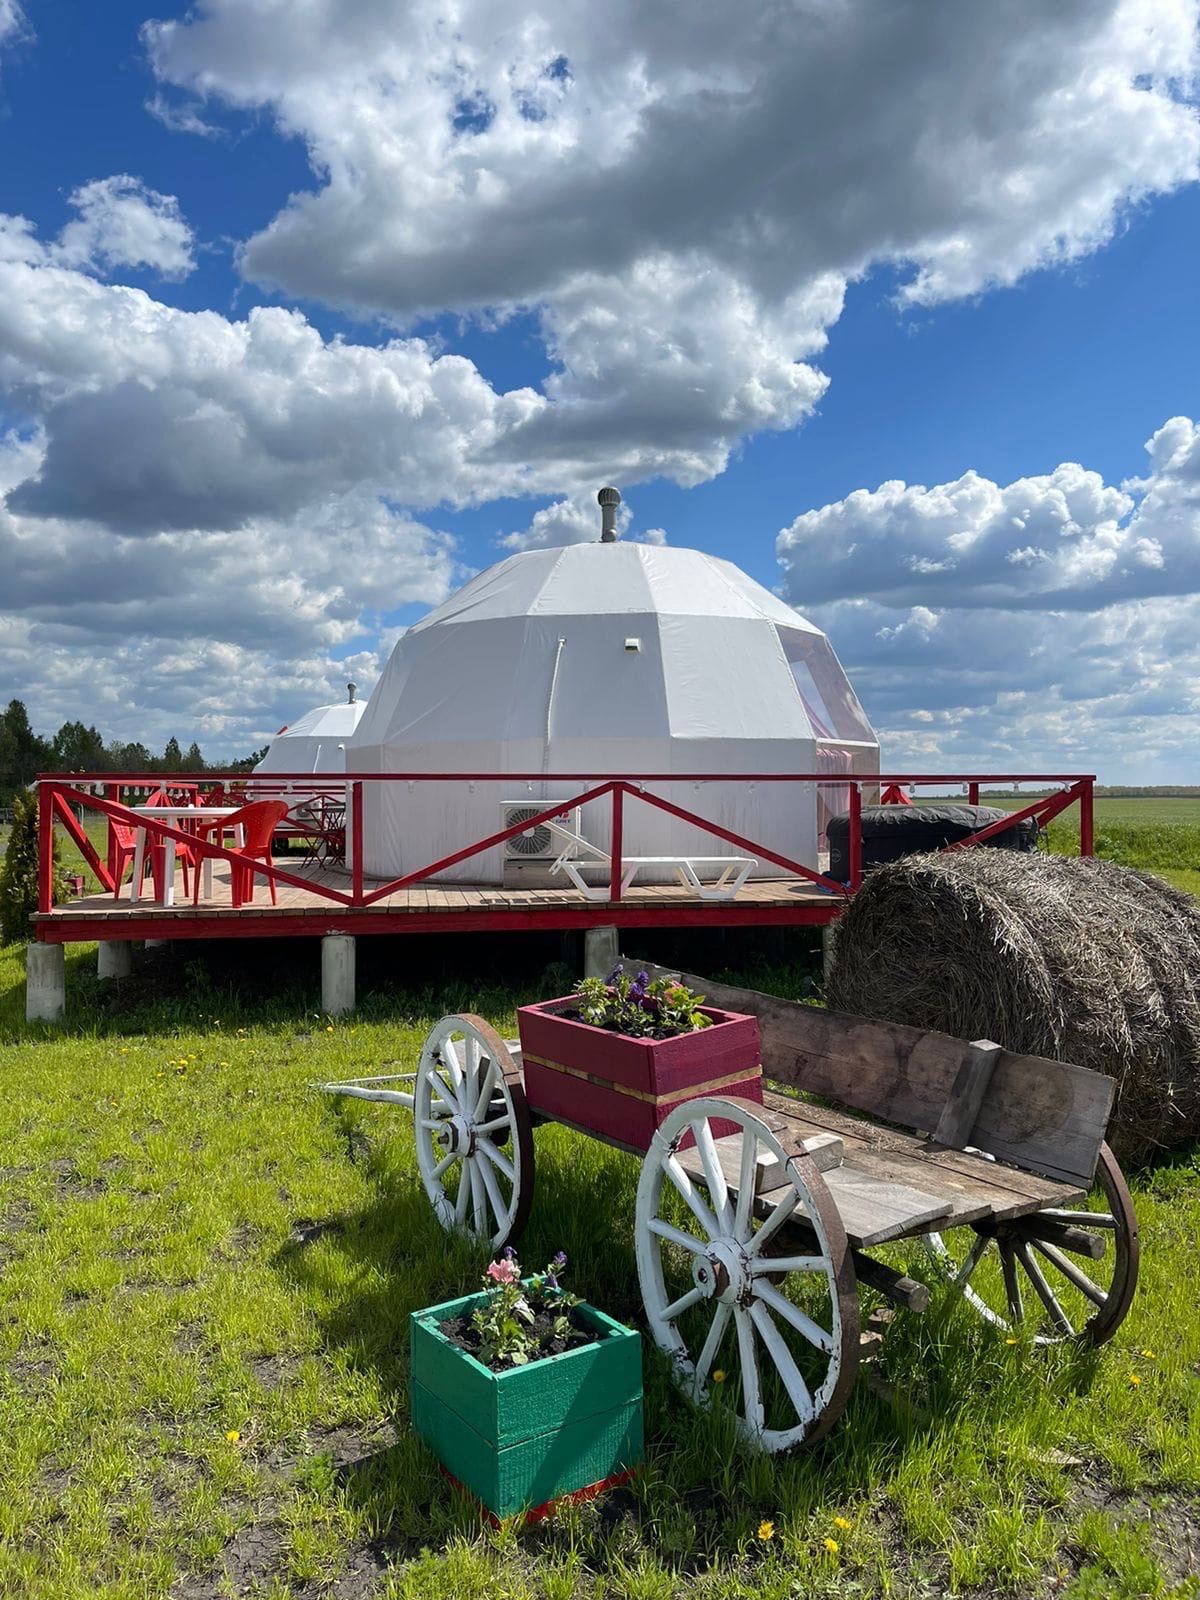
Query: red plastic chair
x=124 y=836
x=258 y=822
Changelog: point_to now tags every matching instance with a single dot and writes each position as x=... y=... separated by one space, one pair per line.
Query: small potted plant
x=620 y=1053
x=525 y=1393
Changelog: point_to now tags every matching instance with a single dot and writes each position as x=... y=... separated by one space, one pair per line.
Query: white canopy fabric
x=316 y=741
x=604 y=659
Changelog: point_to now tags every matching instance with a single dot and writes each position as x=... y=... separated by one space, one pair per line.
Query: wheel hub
x=723 y=1273
x=457 y=1136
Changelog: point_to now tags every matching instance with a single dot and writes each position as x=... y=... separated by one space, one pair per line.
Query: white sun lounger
x=726 y=874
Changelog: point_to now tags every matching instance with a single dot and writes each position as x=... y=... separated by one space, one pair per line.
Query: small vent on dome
x=609 y=499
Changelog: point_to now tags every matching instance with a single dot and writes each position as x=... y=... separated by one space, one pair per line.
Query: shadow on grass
x=946 y=1384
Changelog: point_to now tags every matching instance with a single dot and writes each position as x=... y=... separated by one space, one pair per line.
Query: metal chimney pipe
x=609 y=499
x=352 y=691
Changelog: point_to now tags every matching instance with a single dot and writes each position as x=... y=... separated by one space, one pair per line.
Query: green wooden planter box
x=520 y=1438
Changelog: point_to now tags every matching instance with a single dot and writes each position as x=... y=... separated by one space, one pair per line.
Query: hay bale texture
x=1076 y=959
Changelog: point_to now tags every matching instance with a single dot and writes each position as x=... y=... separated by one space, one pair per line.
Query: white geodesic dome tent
x=607 y=659
x=315 y=742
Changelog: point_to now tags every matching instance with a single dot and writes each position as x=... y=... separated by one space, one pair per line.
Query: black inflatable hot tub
x=890 y=832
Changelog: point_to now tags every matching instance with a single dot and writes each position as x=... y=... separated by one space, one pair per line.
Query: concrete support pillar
x=114 y=958
x=45 y=983
x=828 y=940
x=601 y=952
x=156 y=944
x=337 y=974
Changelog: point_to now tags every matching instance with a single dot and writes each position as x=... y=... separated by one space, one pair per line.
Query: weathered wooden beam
x=1045 y=1116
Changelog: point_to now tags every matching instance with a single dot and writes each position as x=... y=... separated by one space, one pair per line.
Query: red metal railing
x=62 y=796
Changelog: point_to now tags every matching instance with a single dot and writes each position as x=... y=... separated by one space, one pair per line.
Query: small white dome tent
x=609 y=659
x=316 y=742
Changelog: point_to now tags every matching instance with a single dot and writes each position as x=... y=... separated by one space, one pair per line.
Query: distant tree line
x=77 y=748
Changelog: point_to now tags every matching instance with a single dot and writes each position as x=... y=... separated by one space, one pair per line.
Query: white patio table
x=175 y=817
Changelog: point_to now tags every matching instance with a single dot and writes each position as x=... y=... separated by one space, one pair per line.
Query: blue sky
x=376 y=344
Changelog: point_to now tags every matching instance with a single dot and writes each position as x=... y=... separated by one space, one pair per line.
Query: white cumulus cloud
x=122 y=223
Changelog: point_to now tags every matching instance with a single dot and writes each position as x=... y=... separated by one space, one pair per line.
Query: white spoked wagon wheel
x=721 y=1298
x=474 y=1135
x=1059 y=1274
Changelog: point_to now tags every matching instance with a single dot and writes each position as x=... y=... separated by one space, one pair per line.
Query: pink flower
x=502 y=1272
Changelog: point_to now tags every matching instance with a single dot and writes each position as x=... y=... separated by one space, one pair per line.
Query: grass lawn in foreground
x=207 y=1270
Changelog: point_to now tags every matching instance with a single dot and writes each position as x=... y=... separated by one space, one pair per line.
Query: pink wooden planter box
x=622 y=1088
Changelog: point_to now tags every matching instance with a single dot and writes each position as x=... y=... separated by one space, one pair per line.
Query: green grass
x=198 y=1245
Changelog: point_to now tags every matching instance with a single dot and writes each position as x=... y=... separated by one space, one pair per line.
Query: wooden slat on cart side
x=1045 y=1116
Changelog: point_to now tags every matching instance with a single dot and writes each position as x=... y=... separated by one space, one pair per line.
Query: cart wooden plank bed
x=751 y=1245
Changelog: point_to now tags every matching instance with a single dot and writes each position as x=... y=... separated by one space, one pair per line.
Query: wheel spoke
x=751 y=1391
x=439 y=1087
x=718 y=1189
x=495 y=1125
x=483 y=1099
x=494 y=1197
x=712 y=1344
x=802 y=1323
x=433 y=1123
x=1012 y=1285
x=694 y=1203
x=678 y=1307
x=972 y=1259
x=774 y=1222
x=673 y=1235
x=1044 y=1292
x=478 y=1200
x=449 y=1053
x=444 y=1165
x=497 y=1158
x=787 y=1264
x=1071 y=1272
x=464 y=1193
x=747 y=1180
x=793 y=1380
x=1081 y=1219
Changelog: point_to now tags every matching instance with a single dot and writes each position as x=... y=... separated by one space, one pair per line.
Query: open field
x=207 y=1271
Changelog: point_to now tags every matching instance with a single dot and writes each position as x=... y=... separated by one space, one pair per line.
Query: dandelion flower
x=1146 y=1355
x=1012 y=1341
x=1134 y=1379
x=233 y=1436
x=329 y=1029
x=766 y=1530
x=842 y=1523
x=718 y=1376
x=832 y=1546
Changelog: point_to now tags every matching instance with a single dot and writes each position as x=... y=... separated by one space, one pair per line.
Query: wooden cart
x=751 y=1246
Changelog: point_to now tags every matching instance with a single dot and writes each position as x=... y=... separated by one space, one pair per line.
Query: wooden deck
x=433 y=908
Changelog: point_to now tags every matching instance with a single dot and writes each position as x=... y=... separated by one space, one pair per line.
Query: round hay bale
x=1080 y=960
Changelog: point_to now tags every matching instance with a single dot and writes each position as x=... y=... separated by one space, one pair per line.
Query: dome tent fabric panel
x=316 y=741
x=601 y=659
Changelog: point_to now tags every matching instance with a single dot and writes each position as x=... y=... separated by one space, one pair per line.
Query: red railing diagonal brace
x=1044 y=809
x=550 y=813
x=757 y=850
x=161 y=829
x=82 y=843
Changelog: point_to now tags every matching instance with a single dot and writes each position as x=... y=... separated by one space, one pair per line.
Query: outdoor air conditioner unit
x=539 y=844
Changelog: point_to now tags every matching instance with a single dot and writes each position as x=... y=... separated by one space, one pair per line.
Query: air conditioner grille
x=537 y=841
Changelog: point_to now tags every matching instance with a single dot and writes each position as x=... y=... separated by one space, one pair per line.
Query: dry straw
x=1048 y=955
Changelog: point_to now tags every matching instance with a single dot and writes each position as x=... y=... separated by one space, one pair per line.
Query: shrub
x=19 y=874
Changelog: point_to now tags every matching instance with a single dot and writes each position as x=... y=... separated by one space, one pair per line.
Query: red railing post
x=114 y=794
x=45 y=846
x=356 y=854
x=855 y=837
x=1086 y=818
x=618 y=831
x=972 y=794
